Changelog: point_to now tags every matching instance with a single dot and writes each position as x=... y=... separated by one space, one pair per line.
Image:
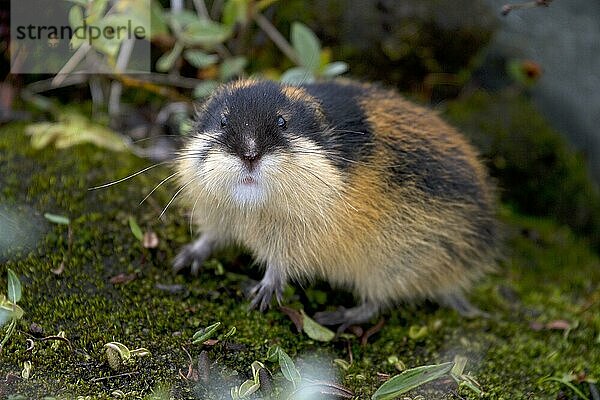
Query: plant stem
x=276 y=37
x=201 y=9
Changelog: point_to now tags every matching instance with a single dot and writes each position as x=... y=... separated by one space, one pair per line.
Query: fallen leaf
x=316 y=331
x=294 y=315
x=122 y=278
x=410 y=379
x=202 y=335
x=150 y=240
x=559 y=324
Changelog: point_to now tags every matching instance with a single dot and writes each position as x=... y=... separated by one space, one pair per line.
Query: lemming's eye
x=281 y=122
x=223 y=121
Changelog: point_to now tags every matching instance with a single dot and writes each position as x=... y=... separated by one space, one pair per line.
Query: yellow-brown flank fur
x=356 y=231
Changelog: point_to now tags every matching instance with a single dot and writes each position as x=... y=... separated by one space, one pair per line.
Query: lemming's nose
x=250 y=159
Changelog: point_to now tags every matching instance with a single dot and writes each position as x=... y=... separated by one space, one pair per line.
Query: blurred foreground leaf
x=57 y=219
x=72 y=129
x=307 y=46
x=288 y=368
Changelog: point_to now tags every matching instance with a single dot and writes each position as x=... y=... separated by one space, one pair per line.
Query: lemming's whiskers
x=192 y=217
x=155 y=137
x=175 y=196
x=157 y=186
x=130 y=176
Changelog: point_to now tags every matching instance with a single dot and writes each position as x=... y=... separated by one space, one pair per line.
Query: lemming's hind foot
x=346 y=317
x=194 y=254
x=458 y=302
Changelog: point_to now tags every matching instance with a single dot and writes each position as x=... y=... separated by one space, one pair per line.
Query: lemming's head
x=254 y=142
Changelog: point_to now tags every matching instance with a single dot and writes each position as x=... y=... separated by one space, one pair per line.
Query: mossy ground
x=548 y=274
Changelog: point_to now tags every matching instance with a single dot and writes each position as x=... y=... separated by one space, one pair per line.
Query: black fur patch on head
x=330 y=116
x=351 y=136
x=245 y=118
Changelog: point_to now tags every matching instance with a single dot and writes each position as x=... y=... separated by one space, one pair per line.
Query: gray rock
x=564 y=39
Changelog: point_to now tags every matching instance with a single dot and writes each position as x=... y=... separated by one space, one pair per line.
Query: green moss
x=548 y=274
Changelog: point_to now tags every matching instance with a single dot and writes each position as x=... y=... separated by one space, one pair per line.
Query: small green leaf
x=334 y=69
x=26 y=372
x=288 y=368
x=230 y=333
x=75 y=17
x=205 y=88
x=158 y=24
x=247 y=388
x=167 y=60
x=256 y=367
x=57 y=219
x=14 y=287
x=343 y=364
x=273 y=354
x=468 y=382
x=135 y=229
x=205 y=32
x=417 y=332
x=316 y=331
x=232 y=67
x=200 y=59
x=181 y=19
x=297 y=76
x=410 y=379
x=120 y=348
x=141 y=352
x=460 y=362
x=204 y=334
x=9 y=310
x=307 y=46
x=235 y=11
x=96 y=11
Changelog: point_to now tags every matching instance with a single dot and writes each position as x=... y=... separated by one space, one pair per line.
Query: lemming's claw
x=458 y=302
x=194 y=254
x=346 y=317
x=271 y=284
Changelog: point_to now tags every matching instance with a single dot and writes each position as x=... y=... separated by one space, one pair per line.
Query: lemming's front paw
x=187 y=257
x=262 y=294
x=194 y=254
x=271 y=284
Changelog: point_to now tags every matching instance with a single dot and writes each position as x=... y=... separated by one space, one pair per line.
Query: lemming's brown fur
x=361 y=229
